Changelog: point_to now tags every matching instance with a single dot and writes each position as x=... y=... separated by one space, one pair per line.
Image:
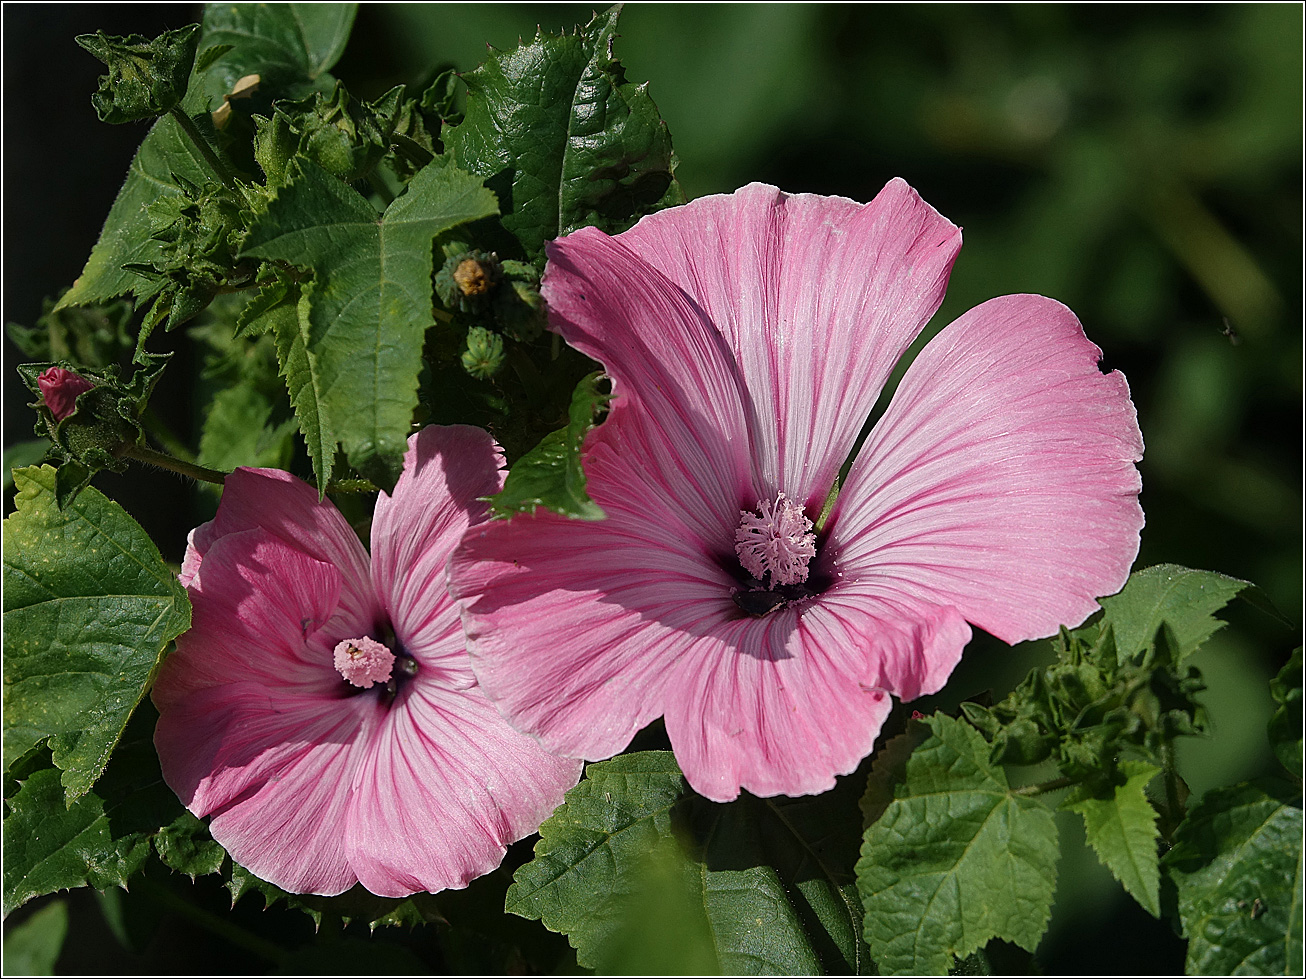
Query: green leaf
x=99 y=840
x=889 y=769
x=32 y=948
x=570 y=142
x=1168 y=593
x=550 y=474
x=290 y=45
x=290 y=326
x=956 y=860
x=20 y=455
x=238 y=431
x=186 y=846
x=1237 y=866
x=369 y=301
x=1285 y=723
x=633 y=861
x=89 y=606
x=1122 y=831
x=147 y=77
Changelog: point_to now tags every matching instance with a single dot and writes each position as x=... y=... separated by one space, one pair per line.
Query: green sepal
x=484 y=353
x=551 y=475
x=146 y=77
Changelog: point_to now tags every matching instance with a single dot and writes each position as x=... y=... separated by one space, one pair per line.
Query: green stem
x=351 y=486
x=1064 y=782
x=222 y=927
x=1170 y=776
x=143 y=453
x=202 y=144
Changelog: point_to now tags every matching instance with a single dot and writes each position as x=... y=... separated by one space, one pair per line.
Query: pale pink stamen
x=364 y=661
x=779 y=542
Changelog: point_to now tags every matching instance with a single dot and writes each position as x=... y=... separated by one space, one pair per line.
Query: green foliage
x=633 y=860
x=551 y=474
x=958 y=858
x=1121 y=828
x=369 y=299
x=186 y=846
x=146 y=77
x=89 y=336
x=1285 y=724
x=1182 y=598
x=99 y=839
x=290 y=46
x=32 y=948
x=563 y=137
x=88 y=608
x=1237 y=865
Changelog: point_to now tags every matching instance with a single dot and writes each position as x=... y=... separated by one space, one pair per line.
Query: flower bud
x=60 y=388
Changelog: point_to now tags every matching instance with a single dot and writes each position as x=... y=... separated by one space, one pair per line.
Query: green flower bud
x=468 y=279
x=146 y=77
x=484 y=354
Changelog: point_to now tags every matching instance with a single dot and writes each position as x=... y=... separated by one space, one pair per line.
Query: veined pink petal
x=678 y=404
x=447 y=473
x=817 y=297
x=446 y=787
x=287 y=508
x=1001 y=480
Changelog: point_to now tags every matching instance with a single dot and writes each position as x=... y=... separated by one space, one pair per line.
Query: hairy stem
x=1038 y=788
x=143 y=453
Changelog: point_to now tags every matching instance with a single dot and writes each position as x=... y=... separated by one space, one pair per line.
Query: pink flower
x=748 y=337
x=322 y=708
x=60 y=388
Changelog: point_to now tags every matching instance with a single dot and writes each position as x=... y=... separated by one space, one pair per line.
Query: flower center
x=776 y=541
x=364 y=661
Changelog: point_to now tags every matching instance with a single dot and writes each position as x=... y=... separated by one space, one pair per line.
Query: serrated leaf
x=147 y=77
x=1167 y=593
x=1122 y=831
x=1237 y=866
x=889 y=770
x=1285 y=724
x=291 y=44
x=290 y=332
x=89 y=606
x=369 y=301
x=99 y=840
x=556 y=122
x=32 y=948
x=632 y=856
x=550 y=474
x=186 y=846
x=956 y=860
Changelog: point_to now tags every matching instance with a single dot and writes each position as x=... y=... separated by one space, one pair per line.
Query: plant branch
x=202 y=144
x=1039 y=788
x=143 y=453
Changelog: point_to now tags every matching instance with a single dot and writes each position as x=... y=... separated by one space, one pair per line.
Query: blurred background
x=1140 y=163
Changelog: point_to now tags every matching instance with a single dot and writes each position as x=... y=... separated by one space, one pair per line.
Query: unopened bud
x=60 y=388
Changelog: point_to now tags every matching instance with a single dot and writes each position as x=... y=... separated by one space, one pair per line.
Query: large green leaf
x=101 y=839
x=89 y=606
x=957 y=859
x=32 y=948
x=1122 y=831
x=1237 y=865
x=1285 y=724
x=752 y=887
x=290 y=45
x=570 y=142
x=369 y=300
x=1167 y=593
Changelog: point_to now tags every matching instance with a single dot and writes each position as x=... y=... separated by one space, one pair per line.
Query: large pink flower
x=748 y=337
x=322 y=708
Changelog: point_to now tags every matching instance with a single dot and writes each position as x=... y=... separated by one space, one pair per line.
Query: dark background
x=1140 y=163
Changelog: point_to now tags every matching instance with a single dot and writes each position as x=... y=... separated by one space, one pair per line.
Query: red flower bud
x=60 y=389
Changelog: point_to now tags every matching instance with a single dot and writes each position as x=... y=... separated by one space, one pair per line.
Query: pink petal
x=817 y=297
x=783 y=704
x=447 y=473
x=678 y=403
x=446 y=787
x=289 y=509
x=1001 y=480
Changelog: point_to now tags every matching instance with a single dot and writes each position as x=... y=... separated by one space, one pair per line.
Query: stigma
x=364 y=661
x=776 y=542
